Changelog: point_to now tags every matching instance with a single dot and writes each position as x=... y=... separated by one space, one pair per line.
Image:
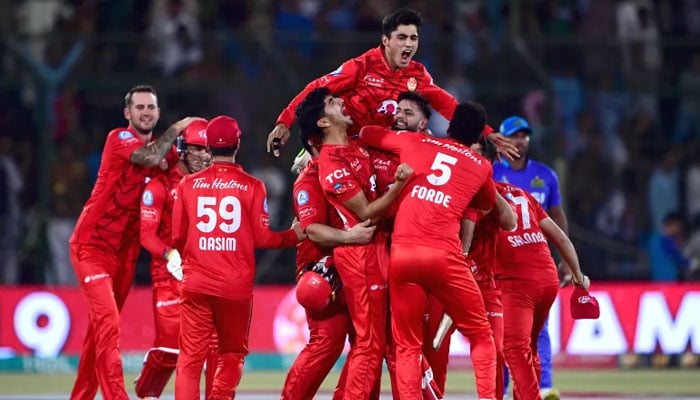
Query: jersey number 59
x=229 y=212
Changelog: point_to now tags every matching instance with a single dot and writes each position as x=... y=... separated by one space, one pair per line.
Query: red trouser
x=365 y=291
x=200 y=315
x=327 y=334
x=528 y=305
x=105 y=280
x=415 y=271
x=494 y=312
x=166 y=313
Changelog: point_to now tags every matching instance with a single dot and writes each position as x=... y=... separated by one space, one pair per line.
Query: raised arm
x=151 y=154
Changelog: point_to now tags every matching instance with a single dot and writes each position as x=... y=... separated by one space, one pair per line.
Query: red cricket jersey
x=370 y=88
x=524 y=253
x=220 y=217
x=311 y=207
x=156 y=219
x=482 y=251
x=344 y=171
x=448 y=177
x=110 y=216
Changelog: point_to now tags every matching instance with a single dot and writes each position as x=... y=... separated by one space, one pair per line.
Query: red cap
x=313 y=292
x=223 y=131
x=196 y=133
x=583 y=305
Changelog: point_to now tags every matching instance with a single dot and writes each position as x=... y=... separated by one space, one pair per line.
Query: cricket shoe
x=550 y=394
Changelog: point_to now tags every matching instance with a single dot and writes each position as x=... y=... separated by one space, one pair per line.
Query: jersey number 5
x=229 y=212
x=442 y=164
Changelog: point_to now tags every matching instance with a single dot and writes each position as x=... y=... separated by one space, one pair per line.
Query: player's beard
x=144 y=128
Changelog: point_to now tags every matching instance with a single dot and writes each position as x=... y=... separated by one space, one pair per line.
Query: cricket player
x=329 y=328
x=426 y=253
x=220 y=217
x=346 y=176
x=104 y=245
x=528 y=279
x=369 y=84
x=156 y=237
x=543 y=184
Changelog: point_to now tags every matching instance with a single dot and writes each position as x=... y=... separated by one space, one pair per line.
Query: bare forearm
x=152 y=153
x=325 y=235
x=378 y=207
x=506 y=216
x=467 y=234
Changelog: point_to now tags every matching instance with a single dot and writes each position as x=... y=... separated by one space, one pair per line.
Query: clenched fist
x=403 y=172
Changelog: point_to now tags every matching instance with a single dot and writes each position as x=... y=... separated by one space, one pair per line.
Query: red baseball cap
x=223 y=131
x=583 y=305
x=313 y=292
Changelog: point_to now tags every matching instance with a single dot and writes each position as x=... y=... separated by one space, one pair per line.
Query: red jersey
x=220 y=217
x=311 y=207
x=448 y=177
x=156 y=220
x=384 y=165
x=524 y=253
x=482 y=251
x=110 y=217
x=344 y=171
x=370 y=88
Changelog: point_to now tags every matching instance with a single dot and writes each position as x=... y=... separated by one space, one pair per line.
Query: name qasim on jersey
x=217 y=243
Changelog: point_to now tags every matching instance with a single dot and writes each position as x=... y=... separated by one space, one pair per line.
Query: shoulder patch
x=123 y=135
x=147 y=198
x=302 y=197
x=265 y=207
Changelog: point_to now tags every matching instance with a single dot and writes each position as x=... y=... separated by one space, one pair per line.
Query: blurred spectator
x=174 y=33
x=692 y=187
x=36 y=20
x=691 y=251
x=70 y=188
x=638 y=34
x=664 y=189
x=276 y=184
x=568 y=94
x=668 y=264
x=294 y=24
x=688 y=121
x=11 y=185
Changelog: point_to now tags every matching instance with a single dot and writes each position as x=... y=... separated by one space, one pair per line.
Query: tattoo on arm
x=152 y=153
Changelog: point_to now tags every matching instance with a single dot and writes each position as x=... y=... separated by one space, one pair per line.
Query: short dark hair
x=138 y=89
x=402 y=16
x=308 y=112
x=489 y=150
x=223 y=151
x=467 y=123
x=420 y=101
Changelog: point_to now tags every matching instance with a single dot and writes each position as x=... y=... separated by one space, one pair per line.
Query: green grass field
x=607 y=381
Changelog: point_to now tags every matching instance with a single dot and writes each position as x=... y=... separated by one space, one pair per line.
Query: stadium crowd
x=610 y=89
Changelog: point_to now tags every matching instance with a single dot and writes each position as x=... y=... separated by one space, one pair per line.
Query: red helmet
x=313 y=292
x=196 y=133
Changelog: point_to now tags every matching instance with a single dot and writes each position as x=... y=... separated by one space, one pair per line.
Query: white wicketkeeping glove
x=174 y=264
x=300 y=161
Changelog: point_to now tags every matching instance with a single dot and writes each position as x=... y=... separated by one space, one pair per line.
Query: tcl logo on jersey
x=388 y=106
x=337 y=174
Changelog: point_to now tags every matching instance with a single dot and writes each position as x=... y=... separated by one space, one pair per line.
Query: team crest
x=147 y=198
x=123 y=135
x=265 y=207
x=412 y=84
x=302 y=197
x=537 y=182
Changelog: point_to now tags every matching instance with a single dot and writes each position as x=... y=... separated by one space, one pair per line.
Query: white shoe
x=550 y=394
